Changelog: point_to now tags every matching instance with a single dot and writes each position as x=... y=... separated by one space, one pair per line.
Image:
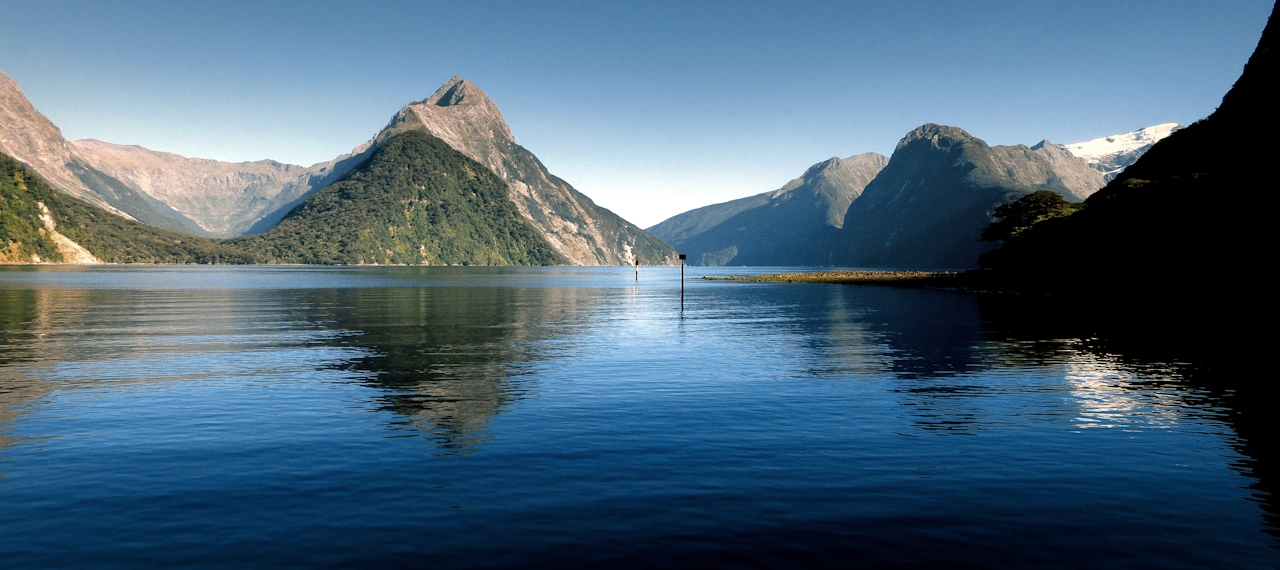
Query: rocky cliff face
x=31 y=138
x=464 y=117
x=209 y=197
x=224 y=198
x=794 y=225
x=928 y=206
x=1078 y=176
x=416 y=201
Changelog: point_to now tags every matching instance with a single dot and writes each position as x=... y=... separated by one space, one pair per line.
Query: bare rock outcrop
x=71 y=251
x=465 y=118
x=1077 y=175
x=32 y=138
x=224 y=198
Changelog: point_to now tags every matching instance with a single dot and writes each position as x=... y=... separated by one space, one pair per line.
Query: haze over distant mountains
x=781 y=227
x=223 y=198
x=208 y=197
x=924 y=207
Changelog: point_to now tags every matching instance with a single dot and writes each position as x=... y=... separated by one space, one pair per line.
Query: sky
x=650 y=108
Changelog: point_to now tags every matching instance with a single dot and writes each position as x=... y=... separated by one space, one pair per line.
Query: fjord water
x=473 y=417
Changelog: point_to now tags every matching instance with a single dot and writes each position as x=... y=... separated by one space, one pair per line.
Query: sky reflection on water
x=501 y=416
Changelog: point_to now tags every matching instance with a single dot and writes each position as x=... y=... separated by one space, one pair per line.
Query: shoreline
x=896 y=278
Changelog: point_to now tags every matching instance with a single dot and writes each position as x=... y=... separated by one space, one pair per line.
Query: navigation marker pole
x=637 y=270
x=682 y=256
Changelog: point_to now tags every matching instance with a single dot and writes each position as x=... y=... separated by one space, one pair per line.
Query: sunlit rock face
x=1079 y=178
x=464 y=117
x=210 y=197
x=32 y=138
x=224 y=198
x=192 y=195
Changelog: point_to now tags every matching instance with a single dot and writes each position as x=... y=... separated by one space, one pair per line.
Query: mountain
x=464 y=117
x=928 y=206
x=31 y=138
x=223 y=198
x=40 y=224
x=209 y=197
x=1112 y=154
x=192 y=195
x=416 y=200
x=1079 y=178
x=794 y=225
x=1184 y=225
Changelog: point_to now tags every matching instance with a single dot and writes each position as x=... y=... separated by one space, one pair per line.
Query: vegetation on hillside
x=111 y=238
x=22 y=234
x=416 y=201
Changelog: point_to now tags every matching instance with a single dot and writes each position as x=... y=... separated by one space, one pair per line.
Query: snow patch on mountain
x=1112 y=154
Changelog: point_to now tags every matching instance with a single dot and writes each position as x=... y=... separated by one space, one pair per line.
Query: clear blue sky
x=651 y=108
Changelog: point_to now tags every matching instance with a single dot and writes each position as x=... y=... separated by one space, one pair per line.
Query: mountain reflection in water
x=449 y=359
x=331 y=416
x=445 y=360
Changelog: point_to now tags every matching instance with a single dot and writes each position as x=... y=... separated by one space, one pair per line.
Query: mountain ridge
x=209 y=197
x=415 y=201
x=928 y=206
x=463 y=115
x=1164 y=230
x=31 y=138
x=793 y=225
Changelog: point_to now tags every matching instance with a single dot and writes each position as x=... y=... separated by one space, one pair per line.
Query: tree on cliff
x=1015 y=217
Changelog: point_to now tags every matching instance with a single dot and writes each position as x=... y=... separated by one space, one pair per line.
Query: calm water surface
x=460 y=417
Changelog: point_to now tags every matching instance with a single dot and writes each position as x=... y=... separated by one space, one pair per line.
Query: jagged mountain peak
x=457 y=91
x=461 y=114
x=941 y=136
x=821 y=166
x=465 y=118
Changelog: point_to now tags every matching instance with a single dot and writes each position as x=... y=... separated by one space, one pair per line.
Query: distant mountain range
x=414 y=201
x=214 y=198
x=923 y=207
x=781 y=227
